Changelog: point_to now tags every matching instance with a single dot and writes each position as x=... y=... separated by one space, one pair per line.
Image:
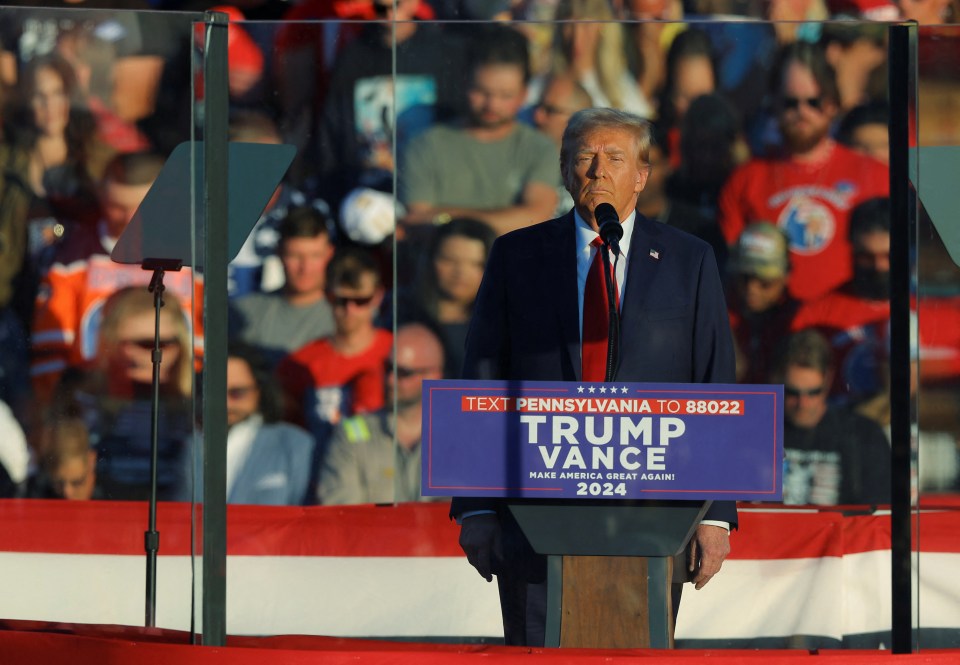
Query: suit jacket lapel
x=646 y=252
x=558 y=268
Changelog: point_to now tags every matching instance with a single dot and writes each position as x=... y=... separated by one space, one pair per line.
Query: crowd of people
x=420 y=142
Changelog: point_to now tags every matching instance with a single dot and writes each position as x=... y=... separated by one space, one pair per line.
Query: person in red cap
x=244 y=57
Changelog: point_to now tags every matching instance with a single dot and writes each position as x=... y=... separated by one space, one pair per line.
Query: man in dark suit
x=527 y=325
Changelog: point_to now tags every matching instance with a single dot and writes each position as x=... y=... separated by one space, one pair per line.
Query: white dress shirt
x=586 y=251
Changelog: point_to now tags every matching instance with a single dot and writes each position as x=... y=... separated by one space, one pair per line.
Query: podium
x=608 y=481
x=609 y=568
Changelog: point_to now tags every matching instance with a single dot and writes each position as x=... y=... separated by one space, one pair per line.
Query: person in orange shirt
x=71 y=296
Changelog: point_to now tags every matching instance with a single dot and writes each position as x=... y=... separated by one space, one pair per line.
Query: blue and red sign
x=563 y=440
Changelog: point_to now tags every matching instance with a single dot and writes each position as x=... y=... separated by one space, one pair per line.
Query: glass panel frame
x=208 y=115
x=109 y=67
x=398 y=273
x=929 y=276
x=935 y=421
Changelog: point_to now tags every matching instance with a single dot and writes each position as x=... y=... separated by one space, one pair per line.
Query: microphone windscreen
x=608 y=223
x=605 y=213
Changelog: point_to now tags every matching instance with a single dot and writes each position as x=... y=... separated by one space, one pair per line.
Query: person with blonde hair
x=126 y=342
x=589 y=44
x=113 y=396
x=69 y=463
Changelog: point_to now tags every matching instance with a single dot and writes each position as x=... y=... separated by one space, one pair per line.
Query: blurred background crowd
x=425 y=129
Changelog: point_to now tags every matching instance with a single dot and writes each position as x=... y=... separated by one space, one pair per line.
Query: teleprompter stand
x=151 y=538
x=163 y=236
x=609 y=568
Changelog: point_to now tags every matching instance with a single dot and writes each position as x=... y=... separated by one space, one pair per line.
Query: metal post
x=215 y=329
x=899 y=62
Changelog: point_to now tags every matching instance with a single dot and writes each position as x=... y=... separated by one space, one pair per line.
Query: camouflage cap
x=761 y=250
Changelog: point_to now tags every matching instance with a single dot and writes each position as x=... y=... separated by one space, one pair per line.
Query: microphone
x=610 y=228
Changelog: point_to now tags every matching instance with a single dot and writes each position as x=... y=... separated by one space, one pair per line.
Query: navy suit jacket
x=673 y=317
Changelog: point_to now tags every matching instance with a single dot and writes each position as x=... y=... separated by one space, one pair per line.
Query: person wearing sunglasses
x=810 y=185
x=112 y=394
x=375 y=457
x=562 y=96
x=269 y=462
x=340 y=375
x=832 y=456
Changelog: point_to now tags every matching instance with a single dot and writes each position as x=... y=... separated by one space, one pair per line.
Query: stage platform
x=389 y=584
x=30 y=643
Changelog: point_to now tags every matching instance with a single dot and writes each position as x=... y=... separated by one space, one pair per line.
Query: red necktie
x=596 y=319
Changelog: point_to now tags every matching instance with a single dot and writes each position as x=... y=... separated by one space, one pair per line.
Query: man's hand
x=709 y=547
x=480 y=541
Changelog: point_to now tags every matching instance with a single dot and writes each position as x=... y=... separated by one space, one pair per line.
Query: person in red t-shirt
x=855 y=318
x=810 y=188
x=341 y=375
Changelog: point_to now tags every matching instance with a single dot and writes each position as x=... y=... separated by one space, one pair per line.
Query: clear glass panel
x=87 y=120
x=411 y=208
x=401 y=167
x=399 y=153
x=190 y=167
x=936 y=349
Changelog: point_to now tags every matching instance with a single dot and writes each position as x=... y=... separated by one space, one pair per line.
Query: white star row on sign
x=603 y=390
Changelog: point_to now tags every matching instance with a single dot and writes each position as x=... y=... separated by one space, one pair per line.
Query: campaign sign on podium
x=570 y=440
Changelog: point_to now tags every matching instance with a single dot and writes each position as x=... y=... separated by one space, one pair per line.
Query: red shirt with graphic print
x=811 y=202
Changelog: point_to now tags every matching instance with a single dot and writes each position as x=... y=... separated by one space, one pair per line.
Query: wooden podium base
x=615 y=602
x=609 y=568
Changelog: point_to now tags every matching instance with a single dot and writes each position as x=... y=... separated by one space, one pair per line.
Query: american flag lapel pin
x=654 y=254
